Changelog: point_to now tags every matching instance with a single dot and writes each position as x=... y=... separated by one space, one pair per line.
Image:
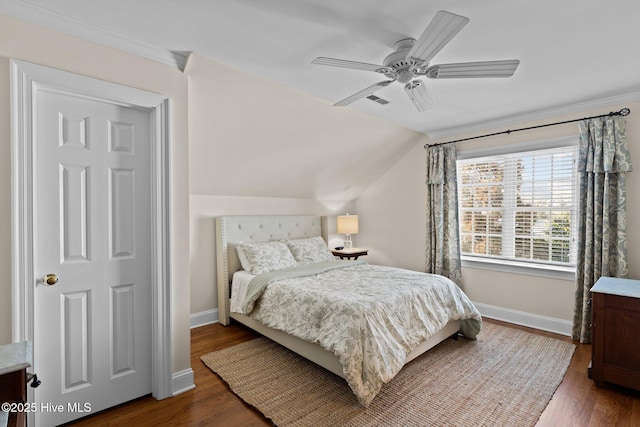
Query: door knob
x=50 y=279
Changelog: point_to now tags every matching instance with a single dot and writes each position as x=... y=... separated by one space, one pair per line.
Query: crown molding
x=631 y=95
x=29 y=12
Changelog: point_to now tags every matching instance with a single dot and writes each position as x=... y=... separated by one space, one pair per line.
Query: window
x=519 y=207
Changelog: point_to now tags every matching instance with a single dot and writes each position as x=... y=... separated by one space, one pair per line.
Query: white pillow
x=267 y=256
x=309 y=250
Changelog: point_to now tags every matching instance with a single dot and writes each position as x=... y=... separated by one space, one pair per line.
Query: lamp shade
x=347 y=224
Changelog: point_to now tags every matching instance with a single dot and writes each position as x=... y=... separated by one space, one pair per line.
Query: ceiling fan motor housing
x=398 y=66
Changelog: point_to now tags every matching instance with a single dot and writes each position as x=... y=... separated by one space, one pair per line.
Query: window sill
x=515 y=267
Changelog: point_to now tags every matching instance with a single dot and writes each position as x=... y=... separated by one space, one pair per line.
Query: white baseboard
x=202 y=318
x=183 y=381
x=522 y=318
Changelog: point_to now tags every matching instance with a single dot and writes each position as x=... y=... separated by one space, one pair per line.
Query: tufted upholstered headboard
x=233 y=230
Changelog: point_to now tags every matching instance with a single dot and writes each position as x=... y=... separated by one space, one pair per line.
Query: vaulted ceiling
x=571 y=52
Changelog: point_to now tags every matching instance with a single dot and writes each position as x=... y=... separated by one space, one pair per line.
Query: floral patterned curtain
x=603 y=160
x=443 y=240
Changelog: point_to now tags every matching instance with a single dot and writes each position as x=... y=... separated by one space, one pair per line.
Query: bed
x=234 y=231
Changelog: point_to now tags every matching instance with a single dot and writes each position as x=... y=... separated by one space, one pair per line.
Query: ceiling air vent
x=378 y=99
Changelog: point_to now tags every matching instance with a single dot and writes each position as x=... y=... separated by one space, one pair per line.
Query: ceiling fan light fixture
x=417 y=92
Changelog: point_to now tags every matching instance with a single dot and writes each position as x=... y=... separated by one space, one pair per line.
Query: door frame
x=26 y=80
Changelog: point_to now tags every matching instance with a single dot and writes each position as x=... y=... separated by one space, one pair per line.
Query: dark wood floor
x=577 y=402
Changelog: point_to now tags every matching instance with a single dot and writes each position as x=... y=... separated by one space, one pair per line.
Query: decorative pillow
x=309 y=250
x=267 y=256
x=244 y=262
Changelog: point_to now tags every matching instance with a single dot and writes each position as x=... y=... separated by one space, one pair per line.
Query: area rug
x=505 y=378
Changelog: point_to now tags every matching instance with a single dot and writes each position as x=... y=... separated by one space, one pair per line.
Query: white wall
x=249 y=136
x=393 y=212
x=39 y=45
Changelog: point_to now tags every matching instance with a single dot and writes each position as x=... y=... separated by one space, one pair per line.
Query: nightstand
x=349 y=253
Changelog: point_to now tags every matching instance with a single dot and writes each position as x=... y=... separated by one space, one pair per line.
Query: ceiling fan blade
x=444 y=26
x=361 y=94
x=346 y=64
x=419 y=94
x=473 y=69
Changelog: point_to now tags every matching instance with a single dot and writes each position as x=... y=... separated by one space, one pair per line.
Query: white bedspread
x=371 y=317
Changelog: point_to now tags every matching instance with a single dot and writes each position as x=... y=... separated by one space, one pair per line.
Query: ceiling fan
x=410 y=60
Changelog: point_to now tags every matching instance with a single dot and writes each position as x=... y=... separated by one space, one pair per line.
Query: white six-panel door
x=93 y=231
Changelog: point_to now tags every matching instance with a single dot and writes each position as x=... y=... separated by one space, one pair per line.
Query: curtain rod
x=623 y=112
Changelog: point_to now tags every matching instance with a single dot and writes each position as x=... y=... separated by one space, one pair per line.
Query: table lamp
x=347 y=225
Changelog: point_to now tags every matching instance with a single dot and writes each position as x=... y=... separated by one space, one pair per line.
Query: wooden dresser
x=615 y=333
x=14 y=361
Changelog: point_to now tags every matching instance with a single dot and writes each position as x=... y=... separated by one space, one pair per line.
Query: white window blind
x=519 y=206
